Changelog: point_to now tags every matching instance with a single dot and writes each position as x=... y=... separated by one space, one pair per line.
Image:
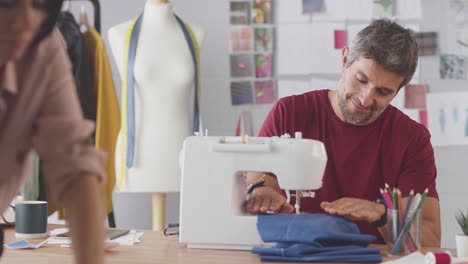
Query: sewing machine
x=213 y=189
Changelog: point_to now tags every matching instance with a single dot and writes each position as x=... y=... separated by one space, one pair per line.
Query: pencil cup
x=403 y=235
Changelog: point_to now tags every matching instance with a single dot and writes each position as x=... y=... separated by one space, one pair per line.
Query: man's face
x=365 y=90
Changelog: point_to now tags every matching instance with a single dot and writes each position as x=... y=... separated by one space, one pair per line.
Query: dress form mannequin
x=164 y=74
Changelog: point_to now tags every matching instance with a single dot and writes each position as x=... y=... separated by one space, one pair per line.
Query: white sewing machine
x=213 y=191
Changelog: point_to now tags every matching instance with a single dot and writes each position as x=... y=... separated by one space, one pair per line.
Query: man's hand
x=265 y=198
x=355 y=209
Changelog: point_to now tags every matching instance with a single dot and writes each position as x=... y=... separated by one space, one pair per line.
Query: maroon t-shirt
x=393 y=149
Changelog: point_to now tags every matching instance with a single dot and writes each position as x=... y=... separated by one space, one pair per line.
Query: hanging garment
x=128 y=103
x=107 y=114
x=314 y=237
x=70 y=31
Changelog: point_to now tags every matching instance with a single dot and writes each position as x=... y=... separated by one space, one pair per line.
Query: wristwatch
x=383 y=220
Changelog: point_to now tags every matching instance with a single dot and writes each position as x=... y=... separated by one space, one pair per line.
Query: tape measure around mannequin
x=127 y=136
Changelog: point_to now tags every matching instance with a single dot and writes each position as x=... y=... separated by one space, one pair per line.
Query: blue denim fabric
x=314 y=237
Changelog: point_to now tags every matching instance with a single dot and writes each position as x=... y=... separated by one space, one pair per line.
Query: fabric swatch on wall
x=240 y=12
x=261 y=12
x=263 y=39
x=263 y=65
x=415 y=96
x=240 y=39
x=242 y=65
x=452 y=67
x=427 y=43
x=340 y=38
x=241 y=93
x=265 y=92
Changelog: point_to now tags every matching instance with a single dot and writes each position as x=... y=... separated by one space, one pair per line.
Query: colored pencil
x=407 y=227
x=400 y=211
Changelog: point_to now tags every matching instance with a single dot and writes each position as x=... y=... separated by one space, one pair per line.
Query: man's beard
x=355 y=118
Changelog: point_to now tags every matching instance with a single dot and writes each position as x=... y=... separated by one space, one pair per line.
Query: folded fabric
x=327 y=230
x=314 y=237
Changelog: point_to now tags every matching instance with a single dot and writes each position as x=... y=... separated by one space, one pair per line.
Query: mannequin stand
x=159 y=211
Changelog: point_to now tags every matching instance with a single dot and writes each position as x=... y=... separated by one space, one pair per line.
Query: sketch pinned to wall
x=452 y=67
x=462 y=41
x=263 y=65
x=448 y=118
x=241 y=93
x=383 y=8
x=415 y=96
x=399 y=102
x=240 y=39
x=240 y=13
x=312 y=6
x=427 y=43
x=265 y=92
x=263 y=40
x=340 y=38
x=261 y=12
x=458 y=13
x=241 y=65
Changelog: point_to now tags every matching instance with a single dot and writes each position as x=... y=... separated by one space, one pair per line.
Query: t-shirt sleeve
x=419 y=171
x=61 y=134
x=272 y=126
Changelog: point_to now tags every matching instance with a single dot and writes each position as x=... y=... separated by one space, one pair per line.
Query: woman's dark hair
x=52 y=9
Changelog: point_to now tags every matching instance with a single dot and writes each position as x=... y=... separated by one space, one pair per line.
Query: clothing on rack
x=76 y=51
x=107 y=108
x=95 y=88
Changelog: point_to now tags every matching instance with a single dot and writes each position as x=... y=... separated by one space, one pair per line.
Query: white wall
x=134 y=210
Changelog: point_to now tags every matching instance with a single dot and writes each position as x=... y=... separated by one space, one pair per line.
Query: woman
x=39 y=111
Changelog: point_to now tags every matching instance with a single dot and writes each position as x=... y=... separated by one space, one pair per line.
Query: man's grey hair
x=389 y=44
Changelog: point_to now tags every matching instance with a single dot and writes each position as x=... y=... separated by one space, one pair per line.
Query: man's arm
x=84 y=212
x=364 y=210
x=266 y=198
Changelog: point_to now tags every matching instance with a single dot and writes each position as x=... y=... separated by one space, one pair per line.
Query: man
x=368 y=141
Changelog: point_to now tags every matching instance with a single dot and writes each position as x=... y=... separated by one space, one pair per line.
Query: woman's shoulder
x=49 y=52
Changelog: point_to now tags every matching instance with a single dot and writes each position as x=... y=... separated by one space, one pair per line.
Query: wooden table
x=154 y=248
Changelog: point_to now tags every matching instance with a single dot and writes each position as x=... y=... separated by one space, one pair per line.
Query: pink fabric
x=39 y=111
x=361 y=159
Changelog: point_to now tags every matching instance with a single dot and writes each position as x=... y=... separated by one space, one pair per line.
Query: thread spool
x=234 y=140
x=438 y=258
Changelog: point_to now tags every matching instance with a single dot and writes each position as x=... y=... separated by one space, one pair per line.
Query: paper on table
x=129 y=239
x=23 y=244
x=413 y=258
